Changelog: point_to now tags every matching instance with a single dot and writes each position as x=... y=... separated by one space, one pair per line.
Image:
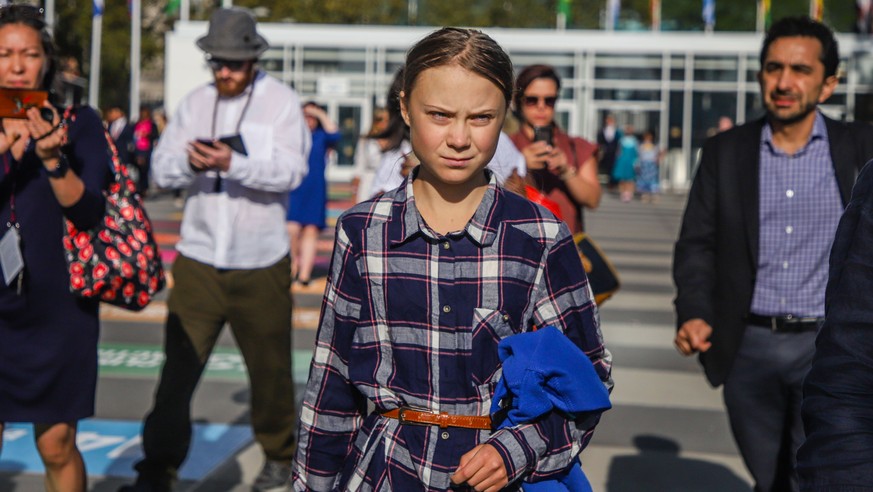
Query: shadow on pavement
x=7 y=475
x=657 y=467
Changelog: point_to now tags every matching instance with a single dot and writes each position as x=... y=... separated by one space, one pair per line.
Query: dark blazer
x=716 y=257
x=838 y=391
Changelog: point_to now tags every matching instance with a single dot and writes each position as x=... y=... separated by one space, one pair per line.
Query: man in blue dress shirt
x=750 y=264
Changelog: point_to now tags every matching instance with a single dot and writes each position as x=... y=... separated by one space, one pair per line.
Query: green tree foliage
x=73 y=37
x=73 y=22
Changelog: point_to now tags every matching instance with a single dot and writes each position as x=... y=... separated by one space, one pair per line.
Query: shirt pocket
x=258 y=140
x=490 y=326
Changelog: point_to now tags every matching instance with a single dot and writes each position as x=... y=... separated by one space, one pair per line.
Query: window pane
x=722 y=69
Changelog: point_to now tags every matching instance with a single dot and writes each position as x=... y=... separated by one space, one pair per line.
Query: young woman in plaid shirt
x=425 y=281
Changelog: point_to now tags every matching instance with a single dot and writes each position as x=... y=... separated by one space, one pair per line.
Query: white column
x=94 y=79
x=135 y=41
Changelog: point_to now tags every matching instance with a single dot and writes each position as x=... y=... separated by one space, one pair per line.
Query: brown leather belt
x=409 y=416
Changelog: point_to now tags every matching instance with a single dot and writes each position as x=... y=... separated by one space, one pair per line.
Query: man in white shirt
x=239 y=145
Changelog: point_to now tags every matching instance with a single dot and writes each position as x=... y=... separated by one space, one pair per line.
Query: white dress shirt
x=242 y=225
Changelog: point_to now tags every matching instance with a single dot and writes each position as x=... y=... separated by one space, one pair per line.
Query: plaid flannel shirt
x=412 y=318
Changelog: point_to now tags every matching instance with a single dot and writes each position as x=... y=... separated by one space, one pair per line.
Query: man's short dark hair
x=804 y=26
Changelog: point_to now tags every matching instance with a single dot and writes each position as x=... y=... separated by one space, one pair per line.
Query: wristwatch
x=61 y=169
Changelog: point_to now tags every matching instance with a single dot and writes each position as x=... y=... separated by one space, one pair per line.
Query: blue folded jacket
x=544 y=371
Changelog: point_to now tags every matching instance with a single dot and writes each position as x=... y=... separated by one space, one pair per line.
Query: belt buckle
x=788 y=319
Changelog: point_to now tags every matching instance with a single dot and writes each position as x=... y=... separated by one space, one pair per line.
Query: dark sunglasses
x=217 y=64
x=534 y=100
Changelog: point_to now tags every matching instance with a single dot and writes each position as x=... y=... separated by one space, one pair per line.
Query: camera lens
x=47 y=114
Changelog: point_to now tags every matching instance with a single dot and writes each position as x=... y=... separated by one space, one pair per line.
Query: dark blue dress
x=307 y=204
x=48 y=337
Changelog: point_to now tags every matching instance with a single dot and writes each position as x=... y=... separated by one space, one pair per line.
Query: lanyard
x=8 y=168
x=238 y=122
x=242 y=113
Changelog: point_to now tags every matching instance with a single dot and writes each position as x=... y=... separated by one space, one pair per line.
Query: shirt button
x=446 y=245
x=785 y=265
x=789 y=193
x=447 y=309
x=789 y=230
x=444 y=435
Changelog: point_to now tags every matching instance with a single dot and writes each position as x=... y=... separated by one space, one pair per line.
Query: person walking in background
x=48 y=336
x=607 y=148
x=145 y=135
x=368 y=156
x=116 y=121
x=750 y=264
x=409 y=332
x=648 y=172
x=239 y=145
x=624 y=171
x=121 y=131
x=395 y=161
x=307 y=205
x=560 y=167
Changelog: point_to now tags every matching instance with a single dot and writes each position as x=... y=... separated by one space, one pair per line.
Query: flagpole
x=816 y=9
x=135 y=39
x=655 y=8
x=613 y=7
x=96 y=36
x=563 y=15
x=708 y=14
x=760 y=24
x=50 y=14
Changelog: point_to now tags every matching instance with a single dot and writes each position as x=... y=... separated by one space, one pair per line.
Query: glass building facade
x=677 y=84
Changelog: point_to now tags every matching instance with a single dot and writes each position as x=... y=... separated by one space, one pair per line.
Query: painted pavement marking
x=111 y=447
x=156 y=312
x=120 y=360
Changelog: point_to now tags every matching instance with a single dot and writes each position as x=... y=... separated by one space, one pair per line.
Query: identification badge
x=11 y=259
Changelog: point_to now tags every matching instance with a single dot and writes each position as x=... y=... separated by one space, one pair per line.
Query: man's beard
x=230 y=89
x=801 y=113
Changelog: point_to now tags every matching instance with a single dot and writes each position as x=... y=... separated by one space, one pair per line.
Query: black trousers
x=762 y=394
x=257 y=305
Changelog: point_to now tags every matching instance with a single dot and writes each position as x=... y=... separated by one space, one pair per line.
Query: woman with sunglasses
x=562 y=169
x=49 y=172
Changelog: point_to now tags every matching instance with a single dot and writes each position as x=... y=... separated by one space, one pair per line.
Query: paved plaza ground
x=667 y=431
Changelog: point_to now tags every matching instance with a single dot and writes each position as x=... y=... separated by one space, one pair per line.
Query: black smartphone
x=543 y=134
x=235 y=142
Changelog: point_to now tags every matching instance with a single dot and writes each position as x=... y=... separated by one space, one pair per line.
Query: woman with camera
x=560 y=168
x=50 y=170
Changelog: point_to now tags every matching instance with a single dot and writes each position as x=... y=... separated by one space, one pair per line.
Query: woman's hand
x=536 y=155
x=482 y=468
x=557 y=162
x=48 y=135
x=8 y=138
x=14 y=136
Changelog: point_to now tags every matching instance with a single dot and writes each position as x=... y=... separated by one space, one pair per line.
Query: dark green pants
x=257 y=305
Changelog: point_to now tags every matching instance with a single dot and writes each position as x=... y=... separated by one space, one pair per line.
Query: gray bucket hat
x=232 y=36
